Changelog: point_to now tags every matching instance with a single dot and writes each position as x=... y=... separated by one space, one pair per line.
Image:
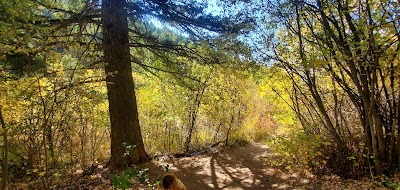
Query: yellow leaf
x=326 y=143
x=35 y=170
x=319 y=153
x=41 y=174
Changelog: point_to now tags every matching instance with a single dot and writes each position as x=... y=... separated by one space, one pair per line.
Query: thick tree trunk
x=126 y=139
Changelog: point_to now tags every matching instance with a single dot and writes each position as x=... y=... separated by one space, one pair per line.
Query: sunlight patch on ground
x=231 y=175
x=245 y=169
x=280 y=186
x=269 y=171
x=241 y=168
x=304 y=181
x=284 y=176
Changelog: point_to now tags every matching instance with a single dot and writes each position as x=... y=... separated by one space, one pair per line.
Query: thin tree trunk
x=83 y=141
x=217 y=131
x=335 y=109
x=192 y=118
x=230 y=126
x=398 y=134
x=46 y=117
x=49 y=135
x=5 y=153
x=193 y=113
x=169 y=139
x=310 y=81
x=126 y=137
x=329 y=124
x=46 y=164
x=234 y=96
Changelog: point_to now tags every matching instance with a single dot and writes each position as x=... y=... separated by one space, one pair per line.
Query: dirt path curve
x=231 y=168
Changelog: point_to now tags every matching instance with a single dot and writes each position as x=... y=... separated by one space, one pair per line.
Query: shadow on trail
x=233 y=168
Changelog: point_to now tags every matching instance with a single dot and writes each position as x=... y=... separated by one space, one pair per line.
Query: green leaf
x=126 y=184
x=351 y=158
x=391 y=184
x=142 y=179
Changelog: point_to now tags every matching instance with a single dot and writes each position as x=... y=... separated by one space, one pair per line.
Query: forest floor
x=242 y=167
x=246 y=168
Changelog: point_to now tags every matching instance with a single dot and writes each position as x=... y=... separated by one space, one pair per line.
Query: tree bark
x=127 y=145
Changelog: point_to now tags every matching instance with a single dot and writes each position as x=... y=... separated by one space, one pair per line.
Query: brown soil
x=228 y=168
x=232 y=168
x=246 y=168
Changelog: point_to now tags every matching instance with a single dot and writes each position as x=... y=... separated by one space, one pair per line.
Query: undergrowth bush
x=316 y=153
x=262 y=133
x=133 y=175
x=299 y=151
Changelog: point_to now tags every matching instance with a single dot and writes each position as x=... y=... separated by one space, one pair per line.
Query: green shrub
x=133 y=175
x=298 y=149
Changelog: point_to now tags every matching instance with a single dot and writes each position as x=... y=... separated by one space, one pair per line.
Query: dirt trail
x=221 y=168
x=232 y=168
